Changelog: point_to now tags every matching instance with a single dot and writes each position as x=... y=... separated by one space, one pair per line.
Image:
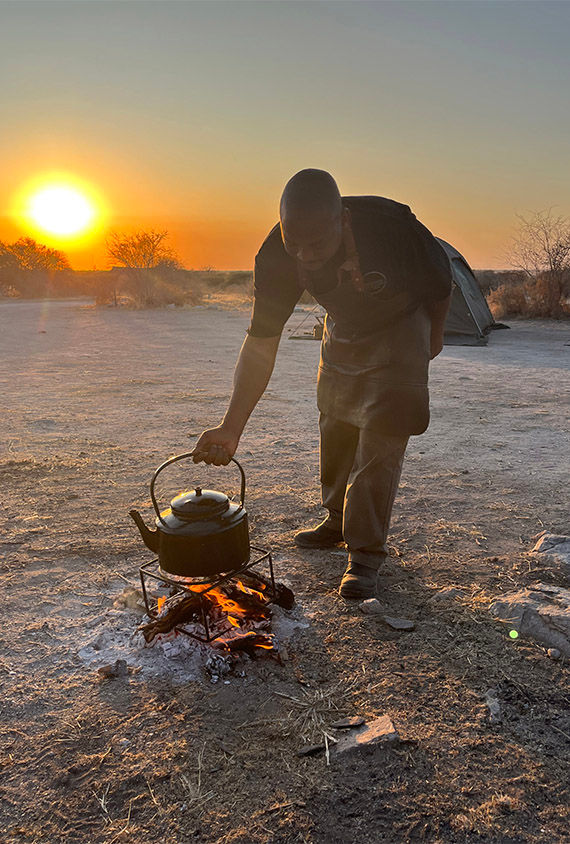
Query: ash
x=114 y=635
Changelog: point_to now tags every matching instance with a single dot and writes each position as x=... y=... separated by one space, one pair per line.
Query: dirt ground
x=93 y=401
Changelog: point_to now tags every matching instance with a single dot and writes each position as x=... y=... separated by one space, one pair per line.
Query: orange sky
x=191 y=117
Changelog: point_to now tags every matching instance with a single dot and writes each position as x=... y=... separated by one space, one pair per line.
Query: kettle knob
x=198 y=490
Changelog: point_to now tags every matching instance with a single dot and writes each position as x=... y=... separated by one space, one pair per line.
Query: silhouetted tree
x=141 y=250
x=541 y=249
x=149 y=266
x=29 y=267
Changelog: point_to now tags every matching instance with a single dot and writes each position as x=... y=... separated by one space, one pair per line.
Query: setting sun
x=61 y=210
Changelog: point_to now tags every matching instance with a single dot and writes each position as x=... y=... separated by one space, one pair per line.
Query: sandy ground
x=94 y=400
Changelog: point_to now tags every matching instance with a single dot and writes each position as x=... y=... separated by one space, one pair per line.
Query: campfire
x=232 y=613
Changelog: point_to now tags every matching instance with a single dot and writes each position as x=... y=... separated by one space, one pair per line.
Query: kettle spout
x=150 y=537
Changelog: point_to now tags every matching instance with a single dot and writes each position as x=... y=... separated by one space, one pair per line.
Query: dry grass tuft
x=312 y=710
x=482 y=819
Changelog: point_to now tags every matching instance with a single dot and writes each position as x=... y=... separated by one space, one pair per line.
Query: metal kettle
x=202 y=533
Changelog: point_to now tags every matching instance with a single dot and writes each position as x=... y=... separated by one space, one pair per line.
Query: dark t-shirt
x=389 y=239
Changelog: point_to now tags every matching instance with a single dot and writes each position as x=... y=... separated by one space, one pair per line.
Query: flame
x=160 y=602
x=249 y=591
x=238 y=616
x=229 y=605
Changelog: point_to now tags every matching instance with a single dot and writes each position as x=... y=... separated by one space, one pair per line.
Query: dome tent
x=469 y=319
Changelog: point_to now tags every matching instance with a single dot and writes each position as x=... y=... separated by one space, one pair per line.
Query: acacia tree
x=143 y=250
x=30 y=267
x=541 y=249
x=146 y=258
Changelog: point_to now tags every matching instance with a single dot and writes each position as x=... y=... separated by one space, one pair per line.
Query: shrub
x=507 y=300
x=538 y=297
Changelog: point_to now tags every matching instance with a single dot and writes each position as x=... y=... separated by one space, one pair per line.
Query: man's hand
x=216 y=446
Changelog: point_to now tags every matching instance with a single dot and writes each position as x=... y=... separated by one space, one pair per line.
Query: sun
x=60 y=209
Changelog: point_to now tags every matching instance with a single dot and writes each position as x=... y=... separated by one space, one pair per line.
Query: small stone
x=399 y=623
x=118 y=669
x=310 y=750
x=553 y=653
x=371 y=606
x=348 y=723
x=381 y=731
x=131 y=599
x=493 y=706
x=106 y=671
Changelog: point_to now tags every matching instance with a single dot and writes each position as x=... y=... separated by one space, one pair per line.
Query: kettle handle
x=182 y=457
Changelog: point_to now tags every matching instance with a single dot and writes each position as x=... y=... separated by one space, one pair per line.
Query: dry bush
x=145 y=289
x=506 y=301
x=538 y=297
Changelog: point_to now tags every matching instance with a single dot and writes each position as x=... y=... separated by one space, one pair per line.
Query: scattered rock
x=118 y=669
x=130 y=598
x=310 y=750
x=381 y=731
x=371 y=606
x=541 y=613
x=348 y=723
x=493 y=705
x=553 y=653
x=399 y=623
x=555 y=546
x=218 y=665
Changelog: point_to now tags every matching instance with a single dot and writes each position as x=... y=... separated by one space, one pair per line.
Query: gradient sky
x=191 y=116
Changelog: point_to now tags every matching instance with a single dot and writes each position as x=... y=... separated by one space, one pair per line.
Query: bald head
x=310 y=192
x=311 y=218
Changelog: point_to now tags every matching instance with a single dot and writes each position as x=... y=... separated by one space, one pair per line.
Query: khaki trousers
x=360 y=473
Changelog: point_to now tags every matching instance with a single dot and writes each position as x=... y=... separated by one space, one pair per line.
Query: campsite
x=162 y=754
x=284 y=440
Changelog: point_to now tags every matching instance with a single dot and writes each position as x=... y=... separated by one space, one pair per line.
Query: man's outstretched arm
x=252 y=373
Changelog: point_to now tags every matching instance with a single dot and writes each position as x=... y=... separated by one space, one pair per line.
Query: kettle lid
x=199 y=504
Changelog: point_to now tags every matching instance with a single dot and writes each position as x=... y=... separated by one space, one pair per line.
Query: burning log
x=247 y=604
x=247 y=642
x=284 y=597
x=181 y=612
x=232 y=613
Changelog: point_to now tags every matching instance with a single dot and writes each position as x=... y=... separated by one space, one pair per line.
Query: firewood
x=250 y=606
x=247 y=642
x=284 y=597
x=182 y=611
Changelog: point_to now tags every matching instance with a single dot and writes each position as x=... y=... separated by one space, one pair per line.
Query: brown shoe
x=322 y=536
x=358 y=582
